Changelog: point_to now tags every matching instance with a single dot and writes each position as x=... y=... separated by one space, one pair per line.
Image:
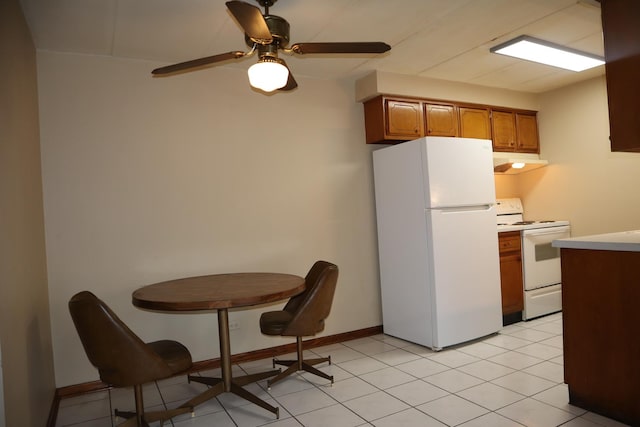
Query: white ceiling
x=443 y=39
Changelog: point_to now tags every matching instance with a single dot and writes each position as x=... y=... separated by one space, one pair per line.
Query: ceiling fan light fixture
x=544 y=52
x=268 y=74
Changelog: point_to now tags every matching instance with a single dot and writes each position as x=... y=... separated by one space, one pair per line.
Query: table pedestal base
x=235 y=387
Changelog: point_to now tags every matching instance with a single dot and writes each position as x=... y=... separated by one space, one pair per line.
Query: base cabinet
x=511 y=272
x=600 y=294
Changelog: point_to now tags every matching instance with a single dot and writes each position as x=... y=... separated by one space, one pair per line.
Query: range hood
x=514 y=163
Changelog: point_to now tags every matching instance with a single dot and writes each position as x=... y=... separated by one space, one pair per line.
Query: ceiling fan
x=267 y=34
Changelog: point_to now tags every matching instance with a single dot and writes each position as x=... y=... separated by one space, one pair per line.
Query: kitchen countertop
x=627 y=241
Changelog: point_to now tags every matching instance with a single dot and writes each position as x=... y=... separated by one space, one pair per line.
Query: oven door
x=541 y=261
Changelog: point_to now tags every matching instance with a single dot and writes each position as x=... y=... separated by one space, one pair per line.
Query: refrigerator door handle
x=465 y=208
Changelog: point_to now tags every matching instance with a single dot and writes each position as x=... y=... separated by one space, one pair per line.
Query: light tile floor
x=513 y=378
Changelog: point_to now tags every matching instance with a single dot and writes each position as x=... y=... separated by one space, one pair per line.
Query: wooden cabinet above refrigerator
x=391 y=120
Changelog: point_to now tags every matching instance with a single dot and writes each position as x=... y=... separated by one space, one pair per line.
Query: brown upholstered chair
x=123 y=359
x=302 y=316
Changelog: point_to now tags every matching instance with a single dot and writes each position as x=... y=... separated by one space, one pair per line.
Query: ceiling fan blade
x=197 y=63
x=251 y=20
x=291 y=82
x=340 y=47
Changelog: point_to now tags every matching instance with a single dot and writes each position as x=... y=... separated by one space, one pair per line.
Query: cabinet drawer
x=509 y=242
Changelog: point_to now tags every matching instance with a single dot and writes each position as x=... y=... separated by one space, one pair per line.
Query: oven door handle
x=548 y=230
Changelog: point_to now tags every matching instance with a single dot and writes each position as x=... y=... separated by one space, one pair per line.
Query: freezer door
x=457 y=172
x=465 y=274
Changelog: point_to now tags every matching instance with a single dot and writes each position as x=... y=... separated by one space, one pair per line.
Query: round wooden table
x=221 y=292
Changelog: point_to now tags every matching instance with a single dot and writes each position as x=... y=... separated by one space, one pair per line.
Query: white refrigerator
x=437 y=240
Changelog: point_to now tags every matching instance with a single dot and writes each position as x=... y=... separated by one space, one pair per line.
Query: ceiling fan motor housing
x=279 y=28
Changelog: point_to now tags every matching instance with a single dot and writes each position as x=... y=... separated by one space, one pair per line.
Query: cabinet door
x=503 y=126
x=511 y=272
x=621 y=33
x=404 y=119
x=511 y=283
x=474 y=123
x=442 y=120
x=527 y=133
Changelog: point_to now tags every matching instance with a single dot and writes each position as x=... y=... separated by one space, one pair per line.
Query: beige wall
x=585 y=182
x=25 y=332
x=152 y=179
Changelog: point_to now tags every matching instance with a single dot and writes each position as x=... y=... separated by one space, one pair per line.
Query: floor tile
x=540 y=351
x=421 y=368
x=513 y=378
x=395 y=357
x=331 y=416
x=84 y=411
x=482 y=350
x=350 y=388
x=507 y=341
x=452 y=410
x=531 y=335
x=603 y=421
x=370 y=347
x=486 y=370
x=362 y=365
x=533 y=413
x=558 y=396
x=339 y=355
x=515 y=360
x=453 y=380
x=551 y=327
x=419 y=350
x=218 y=419
x=453 y=358
x=397 y=342
x=305 y=401
x=523 y=383
x=338 y=373
x=554 y=341
x=417 y=392
x=581 y=422
x=288 y=385
x=388 y=377
x=376 y=405
x=490 y=396
x=254 y=416
x=547 y=370
x=491 y=420
x=408 y=418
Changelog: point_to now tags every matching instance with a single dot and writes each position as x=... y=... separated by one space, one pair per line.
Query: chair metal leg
x=141 y=419
x=300 y=365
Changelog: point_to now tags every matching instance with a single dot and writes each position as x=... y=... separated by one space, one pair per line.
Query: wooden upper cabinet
x=621 y=34
x=527 y=133
x=503 y=126
x=515 y=131
x=393 y=120
x=474 y=122
x=404 y=118
x=442 y=120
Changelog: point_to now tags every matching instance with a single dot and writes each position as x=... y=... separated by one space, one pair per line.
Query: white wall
x=152 y=179
x=585 y=182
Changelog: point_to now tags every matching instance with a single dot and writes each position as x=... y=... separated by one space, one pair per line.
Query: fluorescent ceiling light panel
x=536 y=50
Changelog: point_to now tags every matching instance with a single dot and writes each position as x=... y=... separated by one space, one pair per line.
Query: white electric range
x=540 y=261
